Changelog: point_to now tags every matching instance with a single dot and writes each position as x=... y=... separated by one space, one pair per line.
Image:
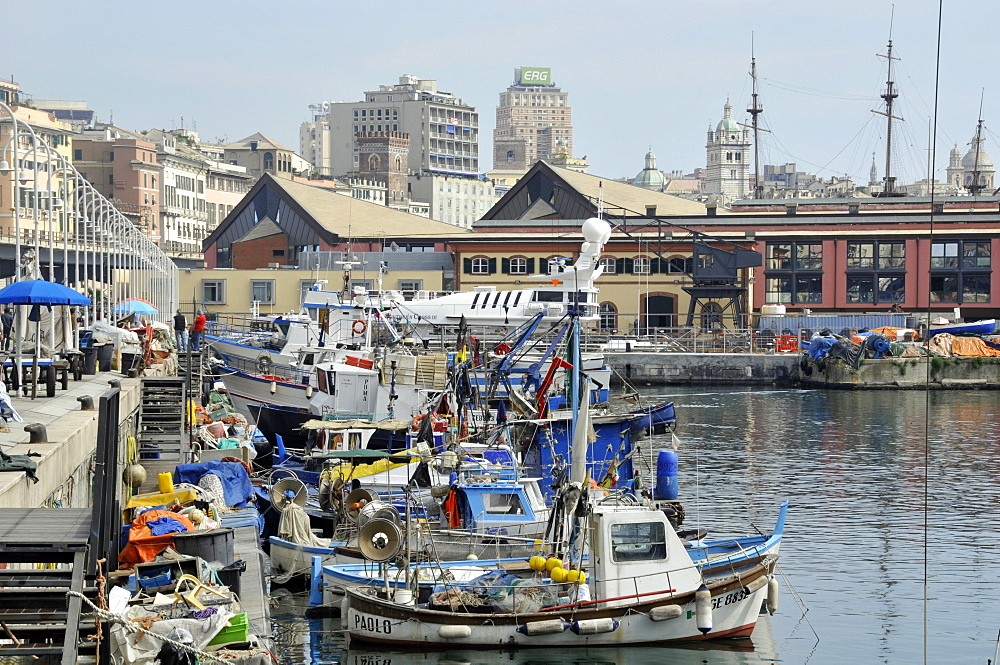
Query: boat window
x=645 y=541
x=309 y=360
x=323 y=380
x=548 y=296
x=354 y=440
x=475 y=299
x=517 y=298
x=496 y=299
x=503 y=504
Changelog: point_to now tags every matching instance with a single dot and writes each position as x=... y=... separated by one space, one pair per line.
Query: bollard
x=115 y=383
x=132 y=373
x=38 y=433
x=86 y=402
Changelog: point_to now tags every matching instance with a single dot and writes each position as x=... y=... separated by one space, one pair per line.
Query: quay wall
x=72 y=442
x=908 y=374
x=707 y=368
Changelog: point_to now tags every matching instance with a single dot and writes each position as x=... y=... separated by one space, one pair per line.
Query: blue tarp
x=819 y=346
x=236 y=484
x=164 y=525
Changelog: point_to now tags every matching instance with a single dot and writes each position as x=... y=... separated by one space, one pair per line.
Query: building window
x=262 y=291
x=77 y=154
x=268 y=161
x=960 y=271
x=609 y=265
x=480 y=266
x=518 y=265
x=876 y=272
x=794 y=273
x=640 y=265
x=213 y=291
x=608 y=317
x=277 y=252
x=409 y=287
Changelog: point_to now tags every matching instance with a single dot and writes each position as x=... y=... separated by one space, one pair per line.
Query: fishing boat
x=984 y=327
x=644 y=588
x=710 y=556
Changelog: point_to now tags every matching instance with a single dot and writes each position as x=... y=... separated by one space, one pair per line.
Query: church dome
x=971 y=160
x=650 y=177
x=727 y=124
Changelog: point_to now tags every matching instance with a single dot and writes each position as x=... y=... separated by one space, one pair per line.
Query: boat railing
x=267 y=370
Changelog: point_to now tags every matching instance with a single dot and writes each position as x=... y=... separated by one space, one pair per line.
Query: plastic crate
x=151 y=579
x=237 y=630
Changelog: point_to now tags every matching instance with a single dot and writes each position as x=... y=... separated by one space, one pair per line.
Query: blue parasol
x=134 y=306
x=40 y=292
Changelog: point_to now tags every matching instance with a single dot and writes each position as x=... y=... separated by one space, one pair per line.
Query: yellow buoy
x=576 y=576
x=554 y=562
x=558 y=575
x=536 y=563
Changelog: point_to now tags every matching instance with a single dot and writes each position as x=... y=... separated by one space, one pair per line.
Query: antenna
x=889 y=95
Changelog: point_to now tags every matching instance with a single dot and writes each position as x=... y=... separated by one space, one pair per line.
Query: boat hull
x=735 y=609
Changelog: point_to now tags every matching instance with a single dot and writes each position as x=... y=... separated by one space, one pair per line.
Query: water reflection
x=855 y=466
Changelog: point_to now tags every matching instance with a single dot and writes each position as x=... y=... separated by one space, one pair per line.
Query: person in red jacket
x=196 y=331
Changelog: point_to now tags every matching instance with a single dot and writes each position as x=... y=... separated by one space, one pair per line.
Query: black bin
x=213 y=545
x=105 y=352
x=231 y=574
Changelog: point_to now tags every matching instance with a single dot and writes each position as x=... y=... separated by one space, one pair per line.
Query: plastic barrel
x=666 y=475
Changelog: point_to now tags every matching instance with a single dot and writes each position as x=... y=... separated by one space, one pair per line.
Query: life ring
x=237 y=459
x=359 y=327
x=263 y=363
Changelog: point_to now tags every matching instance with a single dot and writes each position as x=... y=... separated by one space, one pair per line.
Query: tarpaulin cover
x=164 y=525
x=158 y=499
x=235 y=480
x=971 y=346
x=819 y=346
x=143 y=545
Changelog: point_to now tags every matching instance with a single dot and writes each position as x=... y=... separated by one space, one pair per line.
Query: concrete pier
x=646 y=368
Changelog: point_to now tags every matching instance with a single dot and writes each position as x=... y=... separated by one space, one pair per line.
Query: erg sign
x=536 y=76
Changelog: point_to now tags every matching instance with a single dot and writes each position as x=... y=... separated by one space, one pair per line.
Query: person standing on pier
x=7 y=320
x=180 y=330
x=196 y=331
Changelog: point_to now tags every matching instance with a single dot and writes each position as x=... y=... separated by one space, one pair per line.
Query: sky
x=640 y=75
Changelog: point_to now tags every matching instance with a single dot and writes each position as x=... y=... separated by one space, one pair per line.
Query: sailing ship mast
x=976 y=187
x=754 y=111
x=890 y=94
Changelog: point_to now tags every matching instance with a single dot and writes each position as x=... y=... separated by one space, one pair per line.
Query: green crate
x=235 y=631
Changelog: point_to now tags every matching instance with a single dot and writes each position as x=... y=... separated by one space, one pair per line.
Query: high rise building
x=728 y=157
x=534 y=121
x=443 y=129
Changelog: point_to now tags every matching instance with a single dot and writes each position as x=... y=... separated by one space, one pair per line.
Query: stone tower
x=954 y=171
x=382 y=157
x=728 y=158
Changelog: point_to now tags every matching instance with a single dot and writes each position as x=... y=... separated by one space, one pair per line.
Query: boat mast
x=754 y=111
x=889 y=95
x=975 y=187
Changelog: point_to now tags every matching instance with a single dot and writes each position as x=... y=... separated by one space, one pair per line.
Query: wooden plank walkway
x=253 y=585
x=58 y=527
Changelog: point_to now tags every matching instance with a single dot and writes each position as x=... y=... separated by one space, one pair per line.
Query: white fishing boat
x=644 y=588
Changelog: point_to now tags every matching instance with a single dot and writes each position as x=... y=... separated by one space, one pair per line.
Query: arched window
x=519 y=265
x=711 y=316
x=608 y=262
x=399 y=163
x=480 y=266
x=608 y=317
x=510 y=155
x=640 y=266
x=268 y=161
x=373 y=163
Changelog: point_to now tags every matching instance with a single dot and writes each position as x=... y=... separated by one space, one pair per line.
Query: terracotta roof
x=262 y=142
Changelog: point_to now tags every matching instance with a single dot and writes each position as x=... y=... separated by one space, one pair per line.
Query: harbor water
x=864 y=473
